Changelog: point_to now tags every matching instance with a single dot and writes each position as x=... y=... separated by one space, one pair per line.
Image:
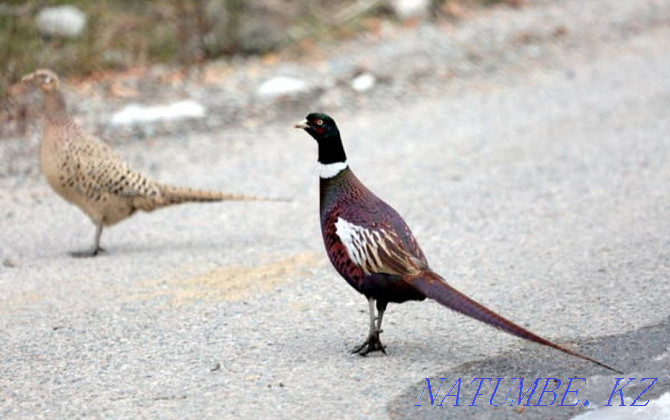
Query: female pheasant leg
x=96 y=245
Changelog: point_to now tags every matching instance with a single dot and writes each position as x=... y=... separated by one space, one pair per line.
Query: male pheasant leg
x=379 y=320
x=372 y=343
x=96 y=245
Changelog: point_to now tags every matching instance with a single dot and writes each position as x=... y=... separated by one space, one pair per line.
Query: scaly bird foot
x=373 y=343
x=88 y=253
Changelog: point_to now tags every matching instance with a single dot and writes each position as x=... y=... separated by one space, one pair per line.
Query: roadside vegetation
x=121 y=34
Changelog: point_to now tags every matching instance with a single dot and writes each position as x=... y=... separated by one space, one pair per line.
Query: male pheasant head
x=44 y=79
x=324 y=130
x=320 y=126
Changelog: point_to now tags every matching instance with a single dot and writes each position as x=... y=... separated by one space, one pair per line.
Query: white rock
x=134 y=113
x=363 y=82
x=63 y=21
x=407 y=9
x=282 y=86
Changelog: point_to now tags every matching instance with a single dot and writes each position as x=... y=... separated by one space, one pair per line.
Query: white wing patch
x=363 y=246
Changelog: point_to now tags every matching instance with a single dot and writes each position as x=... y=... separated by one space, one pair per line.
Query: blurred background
x=93 y=39
x=137 y=70
x=81 y=37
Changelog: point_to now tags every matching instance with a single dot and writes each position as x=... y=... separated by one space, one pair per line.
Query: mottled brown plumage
x=88 y=173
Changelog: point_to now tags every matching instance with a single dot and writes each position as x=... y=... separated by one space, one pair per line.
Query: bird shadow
x=641 y=353
x=162 y=247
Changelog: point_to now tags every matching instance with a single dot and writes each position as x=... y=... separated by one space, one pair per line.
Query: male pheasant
x=371 y=246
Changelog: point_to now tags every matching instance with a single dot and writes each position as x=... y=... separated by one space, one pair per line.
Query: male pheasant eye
x=318 y=122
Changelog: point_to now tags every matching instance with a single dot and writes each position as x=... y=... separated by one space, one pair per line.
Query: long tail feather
x=435 y=287
x=176 y=195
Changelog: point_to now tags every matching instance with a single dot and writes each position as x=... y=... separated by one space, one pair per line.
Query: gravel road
x=541 y=188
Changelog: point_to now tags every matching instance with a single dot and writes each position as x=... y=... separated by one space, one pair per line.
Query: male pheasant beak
x=302 y=124
x=28 y=78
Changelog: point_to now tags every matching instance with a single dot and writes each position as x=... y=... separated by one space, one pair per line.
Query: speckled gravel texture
x=537 y=181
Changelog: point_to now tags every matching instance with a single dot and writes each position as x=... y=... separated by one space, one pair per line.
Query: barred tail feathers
x=176 y=195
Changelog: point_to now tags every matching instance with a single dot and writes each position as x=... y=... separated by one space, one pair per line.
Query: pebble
x=409 y=9
x=282 y=86
x=363 y=82
x=134 y=113
x=61 y=21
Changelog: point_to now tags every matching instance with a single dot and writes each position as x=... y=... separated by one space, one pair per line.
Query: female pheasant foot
x=88 y=253
x=97 y=249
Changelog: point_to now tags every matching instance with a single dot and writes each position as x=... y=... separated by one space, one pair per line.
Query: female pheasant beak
x=302 y=124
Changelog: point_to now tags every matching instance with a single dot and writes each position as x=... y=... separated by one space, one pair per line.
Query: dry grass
x=116 y=37
x=122 y=34
x=125 y=33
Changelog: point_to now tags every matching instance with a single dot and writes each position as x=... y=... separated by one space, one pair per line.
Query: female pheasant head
x=331 y=151
x=44 y=79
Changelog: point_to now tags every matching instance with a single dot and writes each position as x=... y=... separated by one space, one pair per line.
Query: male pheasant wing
x=380 y=244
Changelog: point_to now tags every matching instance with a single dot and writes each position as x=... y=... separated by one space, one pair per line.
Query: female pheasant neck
x=55 y=108
x=332 y=158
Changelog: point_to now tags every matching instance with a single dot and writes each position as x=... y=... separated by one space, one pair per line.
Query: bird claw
x=373 y=343
x=88 y=253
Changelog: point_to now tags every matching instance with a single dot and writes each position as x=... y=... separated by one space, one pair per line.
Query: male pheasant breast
x=367 y=253
x=366 y=213
x=369 y=260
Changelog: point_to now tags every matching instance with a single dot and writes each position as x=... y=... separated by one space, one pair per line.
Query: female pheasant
x=371 y=246
x=88 y=173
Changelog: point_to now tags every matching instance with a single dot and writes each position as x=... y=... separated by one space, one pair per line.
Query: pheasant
x=373 y=249
x=88 y=173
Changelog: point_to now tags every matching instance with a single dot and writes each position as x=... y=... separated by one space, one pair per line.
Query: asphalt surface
x=543 y=194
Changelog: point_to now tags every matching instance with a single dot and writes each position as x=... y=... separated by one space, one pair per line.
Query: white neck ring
x=329 y=170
